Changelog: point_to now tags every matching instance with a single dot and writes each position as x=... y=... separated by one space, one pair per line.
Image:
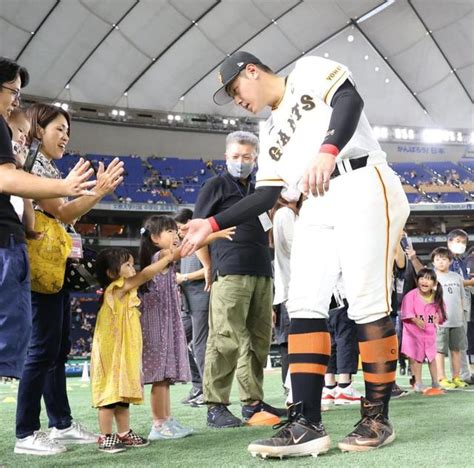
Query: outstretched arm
x=197 y=230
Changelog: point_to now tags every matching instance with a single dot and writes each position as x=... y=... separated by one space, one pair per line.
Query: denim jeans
x=15 y=309
x=44 y=373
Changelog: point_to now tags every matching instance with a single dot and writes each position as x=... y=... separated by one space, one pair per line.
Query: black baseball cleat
x=248 y=410
x=297 y=437
x=372 y=431
x=220 y=417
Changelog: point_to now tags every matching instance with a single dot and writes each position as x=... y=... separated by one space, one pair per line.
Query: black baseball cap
x=229 y=70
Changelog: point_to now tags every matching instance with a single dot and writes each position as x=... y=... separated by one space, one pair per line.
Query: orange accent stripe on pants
x=387 y=243
x=382 y=350
x=307 y=369
x=310 y=343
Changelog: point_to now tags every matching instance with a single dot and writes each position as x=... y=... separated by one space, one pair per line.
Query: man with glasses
x=241 y=296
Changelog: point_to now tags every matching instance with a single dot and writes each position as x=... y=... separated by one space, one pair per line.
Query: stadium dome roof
x=412 y=60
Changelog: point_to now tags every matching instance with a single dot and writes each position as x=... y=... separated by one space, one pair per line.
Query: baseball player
x=318 y=139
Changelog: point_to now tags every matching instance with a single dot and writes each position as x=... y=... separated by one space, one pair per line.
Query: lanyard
x=240 y=189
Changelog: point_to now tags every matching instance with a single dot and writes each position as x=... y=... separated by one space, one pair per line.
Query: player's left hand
x=316 y=177
x=196 y=232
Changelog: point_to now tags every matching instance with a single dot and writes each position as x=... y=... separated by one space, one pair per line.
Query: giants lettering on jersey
x=306 y=103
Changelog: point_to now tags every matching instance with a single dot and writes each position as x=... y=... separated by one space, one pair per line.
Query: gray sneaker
x=39 y=444
x=74 y=434
x=372 y=431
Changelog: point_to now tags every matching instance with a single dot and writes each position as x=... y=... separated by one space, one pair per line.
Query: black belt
x=358 y=163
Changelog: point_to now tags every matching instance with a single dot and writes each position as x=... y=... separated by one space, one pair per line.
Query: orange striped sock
x=309 y=347
x=378 y=346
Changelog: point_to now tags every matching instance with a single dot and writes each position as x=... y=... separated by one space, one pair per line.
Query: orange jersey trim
x=387 y=241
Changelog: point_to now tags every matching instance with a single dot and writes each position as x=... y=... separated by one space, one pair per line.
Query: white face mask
x=457 y=248
x=240 y=169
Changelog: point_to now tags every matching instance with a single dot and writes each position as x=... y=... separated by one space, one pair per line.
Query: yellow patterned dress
x=116 y=360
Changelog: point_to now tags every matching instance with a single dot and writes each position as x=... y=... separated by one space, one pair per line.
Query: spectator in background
x=457 y=243
x=451 y=334
x=191 y=280
x=44 y=373
x=15 y=299
x=284 y=216
x=240 y=315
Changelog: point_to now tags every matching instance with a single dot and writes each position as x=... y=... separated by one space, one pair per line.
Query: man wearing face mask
x=240 y=310
x=457 y=243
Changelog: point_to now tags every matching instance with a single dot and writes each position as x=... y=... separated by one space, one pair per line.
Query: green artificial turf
x=431 y=432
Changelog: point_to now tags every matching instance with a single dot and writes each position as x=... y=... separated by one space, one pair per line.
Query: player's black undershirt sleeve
x=347 y=106
x=251 y=206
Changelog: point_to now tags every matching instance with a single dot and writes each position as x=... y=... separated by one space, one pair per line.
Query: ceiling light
x=366 y=57
x=125 y=93
x=114 y=112
x=387 y=80
x=170 y=117
x=375 y=11
x=326 y=54
x=350 y=38
x=177 y=118
x=232 y=121
x=376 y=69
x=121 y=113
x=381 y=132
x=64 y=106
x=436 y=135
x=225 y=121
x=57 y=104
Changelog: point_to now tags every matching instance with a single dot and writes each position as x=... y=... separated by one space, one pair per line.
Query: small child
x=422 y=310
x=20 y=127
x=116 y=359
x=452 y=334
x=165 y=352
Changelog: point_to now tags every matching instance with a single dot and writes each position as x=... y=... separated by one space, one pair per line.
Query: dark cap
x=229 y=70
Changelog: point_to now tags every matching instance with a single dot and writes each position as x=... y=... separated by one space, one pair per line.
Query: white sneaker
x=74 y=434
x=327 y=398
x=38 y=443
x=347 y=396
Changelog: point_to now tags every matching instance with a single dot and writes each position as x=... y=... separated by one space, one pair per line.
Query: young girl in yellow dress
x=116 y=360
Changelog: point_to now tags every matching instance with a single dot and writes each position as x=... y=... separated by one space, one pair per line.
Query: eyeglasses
x=15 y=92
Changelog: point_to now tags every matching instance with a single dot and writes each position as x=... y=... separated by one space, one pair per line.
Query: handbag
x=48 y=254
x=80 y=272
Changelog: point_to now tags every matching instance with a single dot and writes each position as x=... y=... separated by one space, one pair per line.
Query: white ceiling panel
x=77 y=39
x=67 y=38
x=237 y=22
x=17 y=21
x=447 y=104
x=168 y=78
x=153 y=25
x=104 y=77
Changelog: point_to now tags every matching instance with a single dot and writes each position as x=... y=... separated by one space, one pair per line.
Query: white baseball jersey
x=296 y=129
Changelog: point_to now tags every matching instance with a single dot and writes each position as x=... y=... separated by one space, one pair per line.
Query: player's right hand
x=196 y=232
x=316 y=177
x=75 y=184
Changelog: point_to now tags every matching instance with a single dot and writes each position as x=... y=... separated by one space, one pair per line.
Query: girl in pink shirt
x=422 y=311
